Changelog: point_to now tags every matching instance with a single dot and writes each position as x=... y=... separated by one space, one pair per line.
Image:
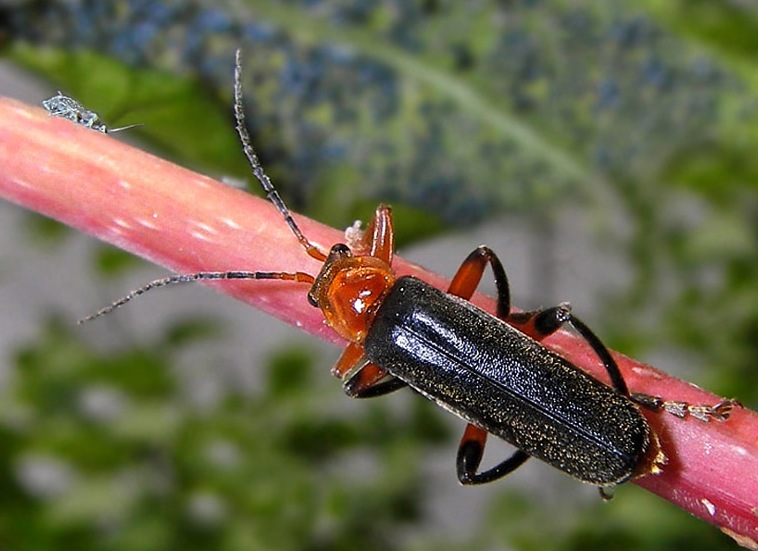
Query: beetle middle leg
x=471 y=448
x=470 y=453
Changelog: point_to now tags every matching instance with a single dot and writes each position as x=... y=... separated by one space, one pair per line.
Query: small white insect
x=68 y=108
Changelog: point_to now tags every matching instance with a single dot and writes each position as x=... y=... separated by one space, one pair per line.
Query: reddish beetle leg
x=349 y=290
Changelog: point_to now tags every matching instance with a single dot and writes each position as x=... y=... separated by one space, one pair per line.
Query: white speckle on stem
x=201 y=236
x=22 y=183
x=122 y=223
x=149 y=224
x=23 y=112
x=231 y=223
x=739 y=450
x=206 y=228
x=710 y=507
x=645 y=372
x=200 y=182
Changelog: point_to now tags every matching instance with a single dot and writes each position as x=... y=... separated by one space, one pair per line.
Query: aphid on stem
x=68 y=108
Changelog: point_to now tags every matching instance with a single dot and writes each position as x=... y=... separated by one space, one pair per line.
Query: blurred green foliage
x=103 y=450
x=640 y=114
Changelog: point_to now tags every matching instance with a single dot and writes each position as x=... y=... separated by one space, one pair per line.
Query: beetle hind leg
x=702 y=412
x=539 y=324
x=720 y=411
x=470 y=453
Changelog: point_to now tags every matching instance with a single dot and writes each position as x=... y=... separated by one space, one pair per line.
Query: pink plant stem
x=189 y=222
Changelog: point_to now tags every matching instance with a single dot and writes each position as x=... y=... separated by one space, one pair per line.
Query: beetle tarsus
x=720 y=411
x=470 y=453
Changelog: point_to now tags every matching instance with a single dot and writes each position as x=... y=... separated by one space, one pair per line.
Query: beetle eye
x=340 y=249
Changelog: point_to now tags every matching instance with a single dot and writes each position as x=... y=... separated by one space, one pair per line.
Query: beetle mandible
x=489 y=370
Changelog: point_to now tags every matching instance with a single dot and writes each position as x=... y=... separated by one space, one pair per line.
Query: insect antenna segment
x=271 y=194
x=299 y=277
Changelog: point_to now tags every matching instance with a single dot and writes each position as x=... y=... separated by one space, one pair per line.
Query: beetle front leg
x=378 y=239
x=363 y=379
x=349 y=360
x=371 y=381
x=470 y=453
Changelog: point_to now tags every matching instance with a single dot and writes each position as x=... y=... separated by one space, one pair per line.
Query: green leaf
x=462 y=111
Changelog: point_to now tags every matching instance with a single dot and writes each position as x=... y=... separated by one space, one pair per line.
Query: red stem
x=188 y=222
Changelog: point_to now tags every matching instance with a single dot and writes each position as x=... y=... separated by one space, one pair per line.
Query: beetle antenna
x=271 y=193
x=299 y=277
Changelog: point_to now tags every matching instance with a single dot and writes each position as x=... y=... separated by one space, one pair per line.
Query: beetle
x=488 y=369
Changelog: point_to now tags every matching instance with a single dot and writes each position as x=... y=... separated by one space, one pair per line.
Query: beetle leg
x=368 y=382
x=363 y=379
x=550 y=321
x=470 y=453
x=471 y=448
x=702 y=412
x=617 y=380
x=349 y=359
x=468 y=276
x=378 y=238
x=539 y=324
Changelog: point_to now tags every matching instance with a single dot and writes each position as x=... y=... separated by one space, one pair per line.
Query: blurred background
x=605 y=150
